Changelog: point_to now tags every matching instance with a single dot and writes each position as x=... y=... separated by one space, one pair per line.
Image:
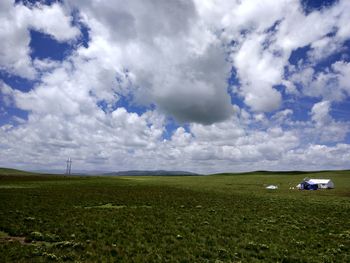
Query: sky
x=198 y=85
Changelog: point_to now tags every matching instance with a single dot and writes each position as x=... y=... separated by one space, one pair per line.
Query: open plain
x=215 y=218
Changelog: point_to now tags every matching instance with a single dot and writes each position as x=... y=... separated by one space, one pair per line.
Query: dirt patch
x=111 y=206
x=106 y=206
x=6 y=238
x=12 y=186
x=9 y=239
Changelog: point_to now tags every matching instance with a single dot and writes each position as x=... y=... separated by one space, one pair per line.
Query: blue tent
x=306 y=185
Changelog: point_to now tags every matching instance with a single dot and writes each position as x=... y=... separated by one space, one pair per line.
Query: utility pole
x=69 y=166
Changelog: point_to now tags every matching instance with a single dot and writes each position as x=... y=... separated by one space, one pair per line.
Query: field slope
x=218 y=218
x=9 y=171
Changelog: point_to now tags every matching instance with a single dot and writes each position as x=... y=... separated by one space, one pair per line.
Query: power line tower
x=69 y=166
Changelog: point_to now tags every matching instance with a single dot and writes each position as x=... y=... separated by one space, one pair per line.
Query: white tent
x=322 y=183
x=272 y=187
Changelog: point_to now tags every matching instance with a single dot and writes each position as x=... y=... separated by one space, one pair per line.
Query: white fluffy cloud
x=257 y=75
x=271 y=31
x=331 y=84
x=179 y=66
x=327 y=129
x=17 y=20
x=175 y=58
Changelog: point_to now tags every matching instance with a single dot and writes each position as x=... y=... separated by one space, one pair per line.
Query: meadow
x=216 y=218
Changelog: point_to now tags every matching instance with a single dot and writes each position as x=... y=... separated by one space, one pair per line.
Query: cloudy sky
x=199 y=85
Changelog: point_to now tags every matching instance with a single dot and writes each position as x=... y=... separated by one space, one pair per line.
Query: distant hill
x=149 y=173
x=282 y=172
x=266 y=172
x=10 y=171
x=16 y=172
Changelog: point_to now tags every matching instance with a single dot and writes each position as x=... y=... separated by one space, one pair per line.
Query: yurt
x=323 y=183
x=314 y=184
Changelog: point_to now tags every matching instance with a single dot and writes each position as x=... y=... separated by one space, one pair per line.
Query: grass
x=3 y=234
x=218 y=218
x=12 y=172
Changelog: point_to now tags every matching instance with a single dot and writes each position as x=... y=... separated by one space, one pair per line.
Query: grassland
x=13 y=172
x=219 y=218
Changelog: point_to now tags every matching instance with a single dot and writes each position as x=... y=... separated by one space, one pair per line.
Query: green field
x=218 y=218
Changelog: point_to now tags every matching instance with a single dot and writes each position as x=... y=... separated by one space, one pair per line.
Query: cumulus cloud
x=320 y=113
x=6 y=93
x=86 y=138
x=326 y=127
x=257 y=75
x=330 y=84
x=179 y=66
x=17 y=20
x=271 y=32
x=176 y=59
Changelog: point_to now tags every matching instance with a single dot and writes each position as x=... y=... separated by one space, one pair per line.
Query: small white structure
x=272 y=187
x=323 y=183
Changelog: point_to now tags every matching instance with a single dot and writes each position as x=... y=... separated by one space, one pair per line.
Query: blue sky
x=206 y=86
